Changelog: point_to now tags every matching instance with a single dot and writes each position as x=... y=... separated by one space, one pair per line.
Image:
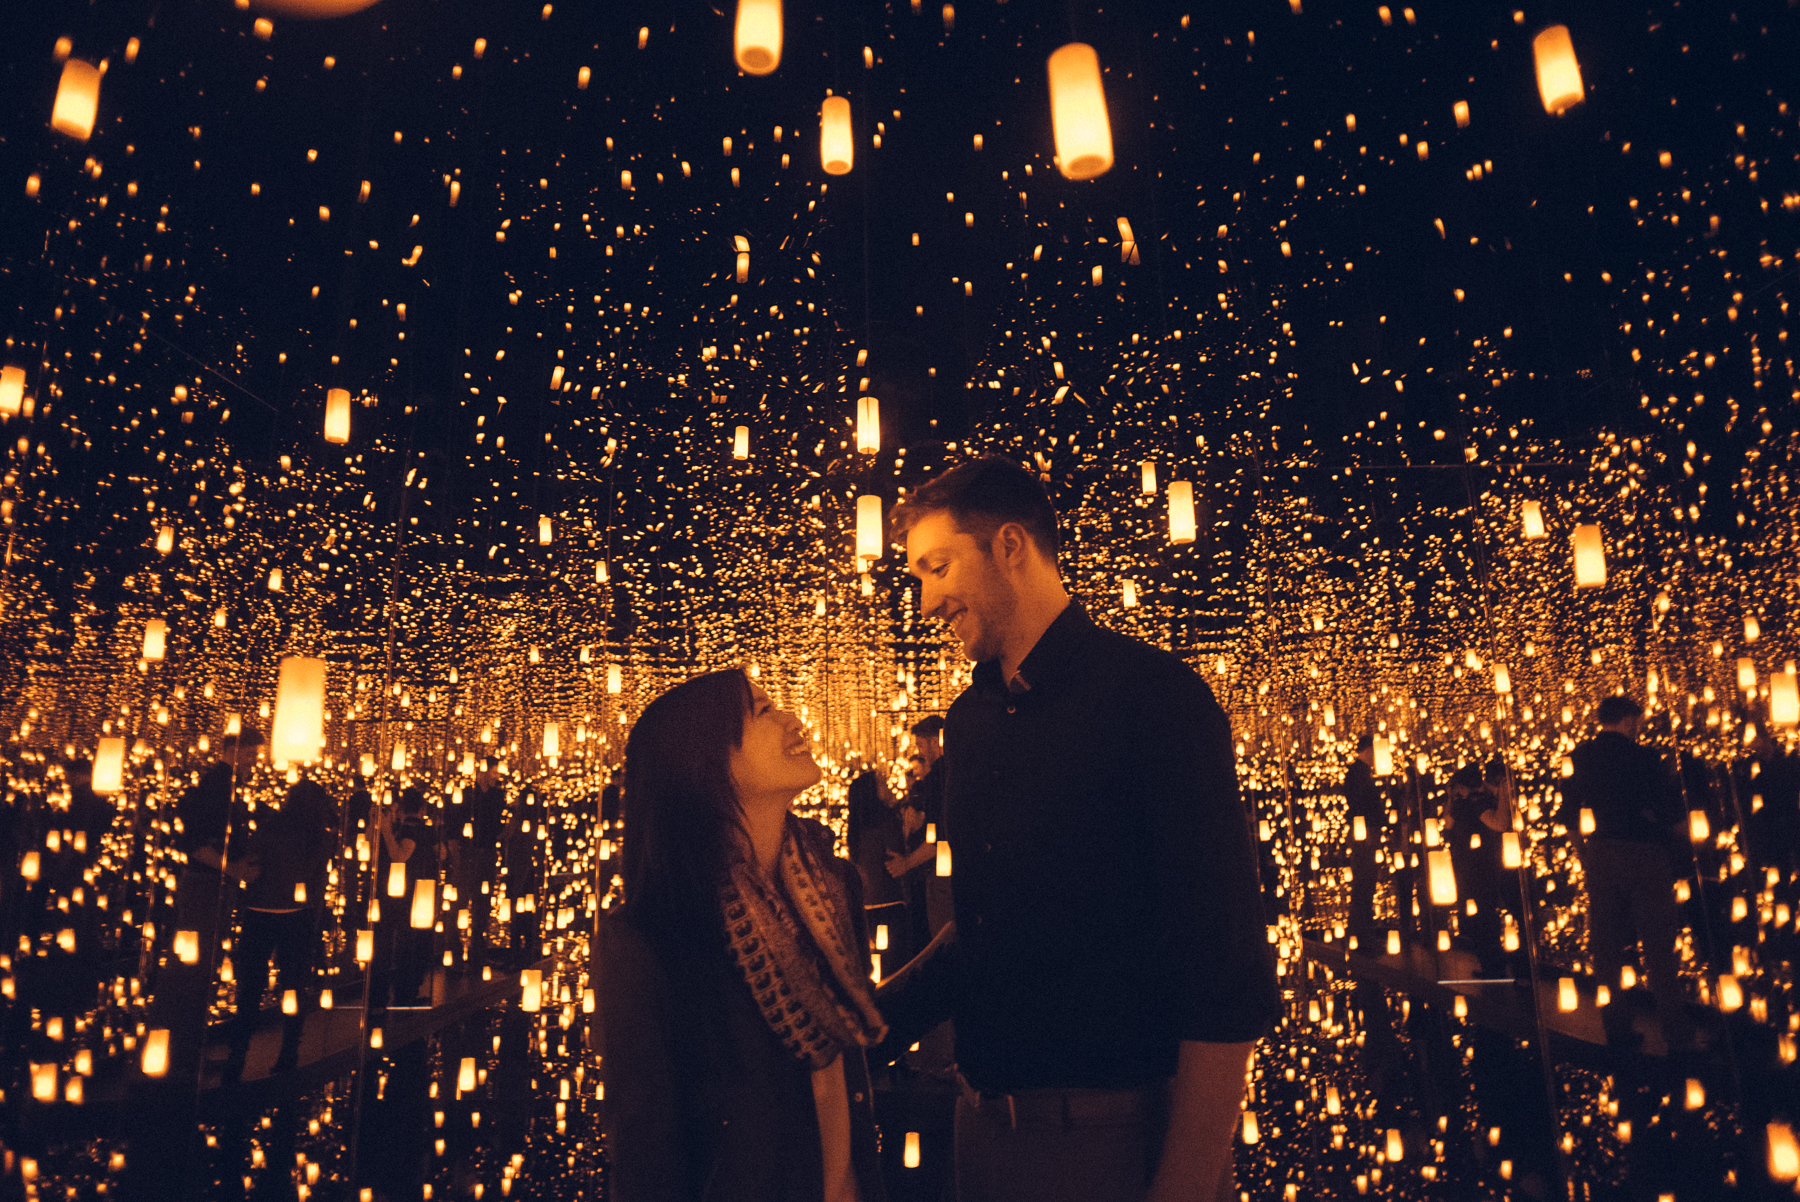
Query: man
x=1363 y=802
x=1109 y=971
x=1630 y=880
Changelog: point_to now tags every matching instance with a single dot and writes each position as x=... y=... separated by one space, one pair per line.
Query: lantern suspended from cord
x=337 y=416
x=109 y=766
x=740 y=443
x=1590 y=557
x=314 y=9
x=1084 y=148
x=837 y=147
x=156 y=638
x=1558 y=74
x=12 y=391
x=1181 y=512
x=298 y=731
x=77 y=100
x=868 y=527
x=868 y=425
x=758 y=36
x=1531 y=519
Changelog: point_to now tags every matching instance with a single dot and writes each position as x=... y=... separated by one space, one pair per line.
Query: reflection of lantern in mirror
x=1443 y=878
x=29 y=865
x=187 y=946
x=1784 y=1154
x=365 y=946
x=465 y=1075
x=546 y=530
x=911 y=1155
x=943 y=857
x=758 y=36
x=1128 y=594
x=1252 y=1132
x=424 y=904
x=396 y=885
x=1182 y=526
x=1531 y=519
x=1359 y=829
x=615 y=679
x=12 y=390
x=298 y=731
x=552 y=740
x=1083 y=134
x=1393 y=943
x=1699 y=829
x=1558 y=74
x=337 y=415
x=1502 y=679
x=77 y=100
x=868 y=425
x=531 y=992
x=1147 y=477
x=109 y=766
x=165 y=540
x=1396 y=1147
x=1746 y=674
x=1695 y=1094
x=1731 y=994
x=1509 y=849
x=837 y=148
x=1590 y=557
x=156 y=638
x=1567 y=1000
x=868 y=527
x=156 y=1052
x=1784 y=700
x=1384 y=756
x=740 y=443
x=290 y=1001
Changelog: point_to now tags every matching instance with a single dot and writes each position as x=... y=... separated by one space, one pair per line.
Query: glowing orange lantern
x=1590 y=557
x=837 y=146
x=758 y=36
x=1084 y=148
x=109 y=766
x=740 y=443
x=337 y=415
x=12 y=390
x=1558 y=74
x=1182 y=526
x=868 y=425
x=298 y=731
x=868 y=527
x=1443 y=878
x=77 y=100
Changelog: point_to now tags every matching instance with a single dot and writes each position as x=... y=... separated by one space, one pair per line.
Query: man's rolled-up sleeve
x=1220 y=965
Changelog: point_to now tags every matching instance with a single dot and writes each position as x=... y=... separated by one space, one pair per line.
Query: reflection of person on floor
x=1473 y=822
x=1364 y=801
x=1630 y=874
x=279 y=916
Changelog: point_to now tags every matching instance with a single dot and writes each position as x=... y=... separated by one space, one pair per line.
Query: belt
x=1065 y=1109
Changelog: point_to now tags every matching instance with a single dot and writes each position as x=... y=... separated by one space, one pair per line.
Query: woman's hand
x=896 y=864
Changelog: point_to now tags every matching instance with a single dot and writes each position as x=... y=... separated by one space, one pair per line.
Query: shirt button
x=856 y=1097
x=1012 y=709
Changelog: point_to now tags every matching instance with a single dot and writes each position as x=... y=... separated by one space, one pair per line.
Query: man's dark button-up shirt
x=1632 y=795
x=1107 y=905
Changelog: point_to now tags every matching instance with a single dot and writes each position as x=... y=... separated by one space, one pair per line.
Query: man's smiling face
x=961 y=584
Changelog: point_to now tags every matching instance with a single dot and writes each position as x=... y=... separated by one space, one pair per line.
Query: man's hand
x=896 y=864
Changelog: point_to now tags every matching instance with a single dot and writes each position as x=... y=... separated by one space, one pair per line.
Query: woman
x=734 y=991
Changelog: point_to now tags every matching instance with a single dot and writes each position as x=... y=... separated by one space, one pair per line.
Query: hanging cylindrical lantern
x=1784 y=1153
x=424 y=905
x=552 y=740
x=187 y=946
x=298 y=731
x=156 y=1052
x=337 y=415
x=868 y=527
x=1443 y=878
x=1384 y=756
x=1531 y=519
x=109 y=766
x=531 y=990
x=365 y=945
x=546 y=530
x=758 y=40
x=868 y=425
x=1746 y=674
x=156 y=638
x=1502 y=679
x=1083 y=134
x=1558 y=74
x=1784 y=700
x=943 y=857
x=615 y=679
x=77 y=100
x=1181 y=512
x=1147 y=477
x=1128 y=594
x=740 y=443
x=837 y=146
x=12 y=391
x=1590 y=557
x=1509 y=849
x=396 y=883
x=1567 y=1000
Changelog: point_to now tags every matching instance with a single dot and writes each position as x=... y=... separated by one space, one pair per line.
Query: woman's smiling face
x=774 y=758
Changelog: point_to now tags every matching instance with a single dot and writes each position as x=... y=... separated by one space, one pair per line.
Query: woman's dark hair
x=866 y=809
x=682 y=819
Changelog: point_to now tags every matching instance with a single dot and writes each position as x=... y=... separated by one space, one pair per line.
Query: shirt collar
x=1049 y=658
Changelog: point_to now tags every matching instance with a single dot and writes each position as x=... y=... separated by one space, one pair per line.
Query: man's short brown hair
x=981 y=496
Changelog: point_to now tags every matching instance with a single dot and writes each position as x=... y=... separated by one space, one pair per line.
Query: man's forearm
x=1204 y=1103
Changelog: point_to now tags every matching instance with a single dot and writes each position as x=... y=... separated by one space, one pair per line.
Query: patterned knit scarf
x=798 y=952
